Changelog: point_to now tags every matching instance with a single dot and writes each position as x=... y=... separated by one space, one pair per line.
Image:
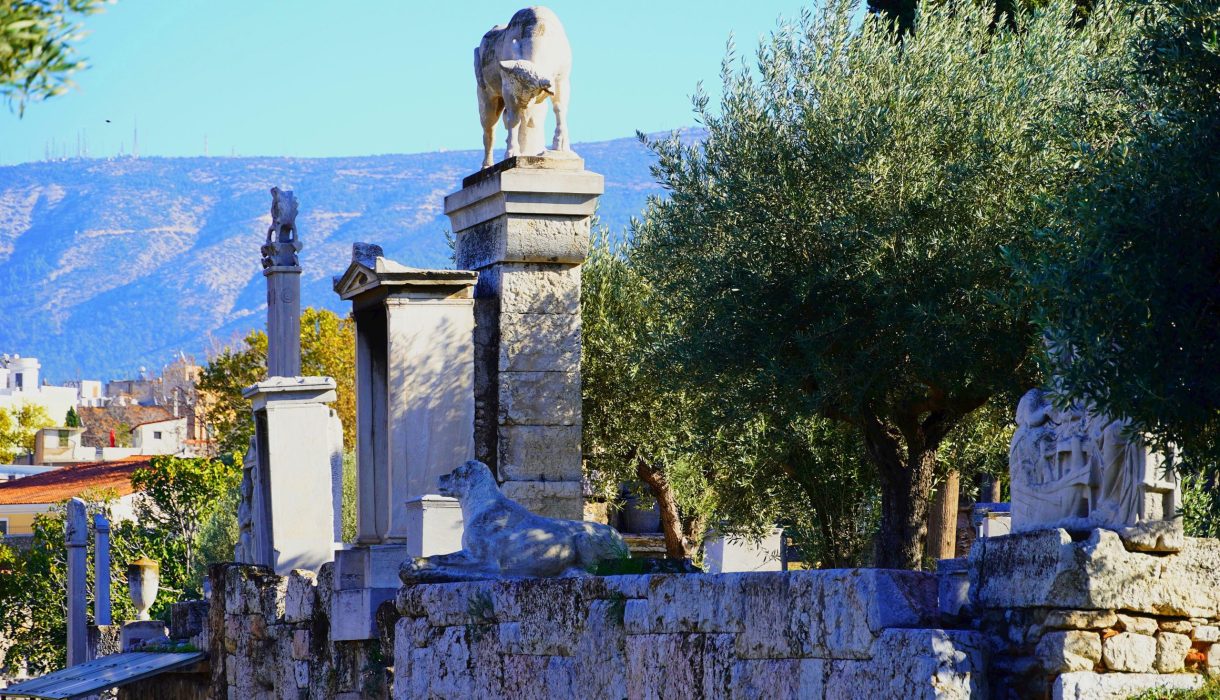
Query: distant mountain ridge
x=110 y=265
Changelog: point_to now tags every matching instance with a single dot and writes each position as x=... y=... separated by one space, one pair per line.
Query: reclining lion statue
x=517 y=67
x=503 y=539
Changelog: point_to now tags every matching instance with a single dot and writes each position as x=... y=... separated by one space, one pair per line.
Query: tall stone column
x=523 y=224
x=76 y=537
x=283 y=273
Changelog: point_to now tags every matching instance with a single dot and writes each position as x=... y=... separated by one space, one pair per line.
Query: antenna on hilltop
x=135 y=138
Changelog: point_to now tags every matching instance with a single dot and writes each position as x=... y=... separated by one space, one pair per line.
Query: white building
x=160 y=437
x=19 y=384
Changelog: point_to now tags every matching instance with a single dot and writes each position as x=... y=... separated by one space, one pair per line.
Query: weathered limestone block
x=777 y=679
x=1137 y=625
x=541 y=616
x=1176 y=626
x=553 y=499
x=914 y=664
x=858 y=604
x=448 y=604
x=1213 y=661
x=539 y=452
x=539 y=342
x=1070 y=650
x=527 y=288
x=537 y=239
x=687 y=604
x=1206 y=633
x=1129 y=652
x=299 y=596
x=1080 y=619
x=678 y=665
x=1047 y=569
x=540 y=398
x=1086 y=685
x=1171 y=651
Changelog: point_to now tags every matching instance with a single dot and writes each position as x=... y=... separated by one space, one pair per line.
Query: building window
x=17 y=380
x=156 y=434
x=63 y=438
x=3 y=527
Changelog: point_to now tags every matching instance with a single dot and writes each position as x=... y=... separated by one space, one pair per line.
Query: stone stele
x=1079 y=469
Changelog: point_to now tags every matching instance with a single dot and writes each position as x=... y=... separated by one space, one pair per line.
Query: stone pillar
x=76 y=536
x=101 y=570
x=414 y=396
x=283 y=273
x=523 y=224
x=292 y=519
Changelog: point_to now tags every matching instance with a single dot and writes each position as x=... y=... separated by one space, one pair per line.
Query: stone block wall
x=809 y=634
x=268 y=637
x=1083 y=617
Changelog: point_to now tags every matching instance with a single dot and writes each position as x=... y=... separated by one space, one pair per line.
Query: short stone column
x=101 y=570
x=283 y=273
x=76 y=537
x=292 y=503
x=523 y=224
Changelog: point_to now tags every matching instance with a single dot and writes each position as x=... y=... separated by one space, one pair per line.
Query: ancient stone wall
x=268 y=636
x=1082 y=616
x=808 y=634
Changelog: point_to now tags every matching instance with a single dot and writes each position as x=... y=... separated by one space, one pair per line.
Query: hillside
x=109 y=265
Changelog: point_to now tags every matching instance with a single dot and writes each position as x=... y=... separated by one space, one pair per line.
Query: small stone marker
x=101 y=570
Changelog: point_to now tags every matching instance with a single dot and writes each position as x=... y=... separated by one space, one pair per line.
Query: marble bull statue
x=517 y=67
x=503 y=539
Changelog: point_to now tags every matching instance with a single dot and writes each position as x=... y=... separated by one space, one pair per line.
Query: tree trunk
x=671 y=519
x=906 y=482
x=942 y=520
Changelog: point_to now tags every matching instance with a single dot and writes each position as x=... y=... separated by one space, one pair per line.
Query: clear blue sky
x=330 y=78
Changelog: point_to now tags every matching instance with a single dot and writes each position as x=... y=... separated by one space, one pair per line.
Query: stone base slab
x=369 y=566
x=1086 y=685
x=353 y=613
x=1049 y=569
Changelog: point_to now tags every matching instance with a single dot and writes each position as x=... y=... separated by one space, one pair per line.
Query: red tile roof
x=73 y=480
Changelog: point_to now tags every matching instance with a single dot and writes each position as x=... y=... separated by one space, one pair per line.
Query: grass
x=1210 y=691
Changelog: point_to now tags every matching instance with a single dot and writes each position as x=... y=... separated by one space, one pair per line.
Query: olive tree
x=833 y=246
x=1130 y=280
x=37 y=47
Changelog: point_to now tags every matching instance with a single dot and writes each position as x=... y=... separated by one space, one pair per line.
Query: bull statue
x=517 y=67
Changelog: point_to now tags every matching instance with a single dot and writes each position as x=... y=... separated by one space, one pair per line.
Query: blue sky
x=331 y=78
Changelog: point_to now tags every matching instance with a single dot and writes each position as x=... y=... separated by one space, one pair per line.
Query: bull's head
x=527 y=80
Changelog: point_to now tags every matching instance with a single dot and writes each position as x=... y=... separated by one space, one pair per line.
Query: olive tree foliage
x=18 y=429
x=704 y=463
x=832 y=248
x=37 y=47
x=634 y=430
x=1129 y=280
x=179 y=494
x=33 y=601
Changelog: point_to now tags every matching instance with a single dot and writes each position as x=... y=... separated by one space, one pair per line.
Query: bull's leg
x=490 y=107
x=512 y=122
x=559 y=103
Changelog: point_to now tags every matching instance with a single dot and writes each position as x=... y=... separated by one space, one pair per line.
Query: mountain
x=110 y=265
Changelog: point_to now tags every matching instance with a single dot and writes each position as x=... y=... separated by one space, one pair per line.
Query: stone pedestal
x=523 y=224
x=1083 y=615
x=292 y=499
x=414 y=389
x=140 y=632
